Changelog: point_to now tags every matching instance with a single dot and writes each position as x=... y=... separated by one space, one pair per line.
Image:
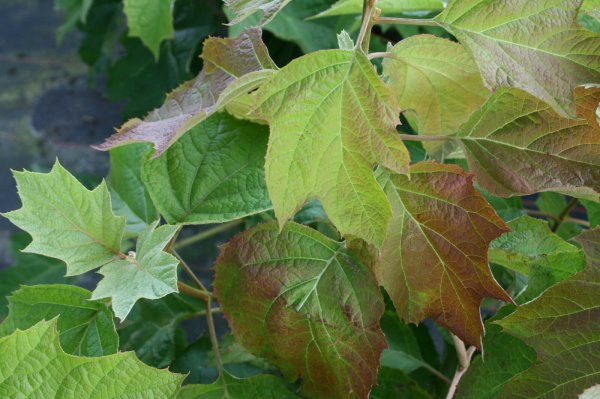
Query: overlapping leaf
x=213 y=174
x=34 y=366
x=518 y=145
x=437 y=80
x=85 y=327
x=534 y=45
x=331 y=119
x=563 y=326
x=66 y=221
x=344 y=7
x=225 y=60
x=433 y=262
x=306 y=304
x=147 y=273
x=151 y=21
x=244 y=8
x=227 y=386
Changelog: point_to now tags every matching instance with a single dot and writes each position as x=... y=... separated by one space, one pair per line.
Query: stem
x=464 y=358
x=203 y=235
x=171 y=243
x=190 y=273
x=406 y=21
x=213 y=339
x=380 y=54
x=533 y=212
x=565 y=213
x=436 y=373
x=365 y=26
x=413 y=137
x=193 y=292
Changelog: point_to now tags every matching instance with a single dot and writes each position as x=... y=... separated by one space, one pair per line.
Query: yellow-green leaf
x=151 y=21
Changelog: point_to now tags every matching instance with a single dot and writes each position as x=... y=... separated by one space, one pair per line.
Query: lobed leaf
x=517 y=145
x=147 y=273
x=527 y=44
x=85 y=327
x=258 y=387
x=67 y=221
x=34 y=366
x=213 y=174
x=225 y=60
x=151 y=21
x=563 y=326
x=306 y=304
x=437 y=80
x=345 y=7
x=433 y=262
x=331 y=120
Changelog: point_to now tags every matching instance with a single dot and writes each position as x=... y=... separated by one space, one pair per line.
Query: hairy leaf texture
x=332 y=119
x=227 y=386
x=67 y=221
x=225 y=59
x=34 y=366
x=244 y=8
x=213 y=174
x=563 y=326
x=344 y=7
x=517 y=145
x=306 y=304
x=437 y=84
x=534 y=45
x=433 y=262
x=85 y=327
x=151 y=21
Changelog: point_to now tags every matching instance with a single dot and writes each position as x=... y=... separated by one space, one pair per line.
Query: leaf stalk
x=406 y=21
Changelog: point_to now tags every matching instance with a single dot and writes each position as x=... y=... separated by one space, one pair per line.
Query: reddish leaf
x=306 y=304
x=433 y=262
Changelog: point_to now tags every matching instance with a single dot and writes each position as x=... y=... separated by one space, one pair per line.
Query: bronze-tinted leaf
x=433 y=262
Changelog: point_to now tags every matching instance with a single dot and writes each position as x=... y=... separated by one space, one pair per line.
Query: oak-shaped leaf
x=67 y=221
x=331 y=119
x=261 y=386
x=225 y=59
x=535 y=251
x=35 y=366
x=433 y=262
x=437 y=84
x=151 y=21
x=563 y=326
x=527 y=44
x=306 y=304
x=86 y=328
x=244 y=8
x=345 y=7
x=213 y=174
x=149 y=272
x=517 y=145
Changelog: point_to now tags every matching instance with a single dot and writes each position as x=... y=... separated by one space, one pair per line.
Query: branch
x=464 y=359
x=190 y=273
x=213 y=338
x=406 y=21
x=193 y=292
x=366 y=25
x=565 y=213
x=203 y=235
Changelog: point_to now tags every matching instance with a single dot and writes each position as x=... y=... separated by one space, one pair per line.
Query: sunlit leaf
x=305 y=304
x=266 y=8
x=151 y=21
x=343 y=7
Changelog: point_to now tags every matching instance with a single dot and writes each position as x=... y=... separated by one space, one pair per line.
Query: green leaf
x=505 y=357
x=438 y=83
x=227 y=386
x=517 y=145
x=428 y=266
x=147 y=273
x=563 y=327
x=554 y=204
x=526 y=44
x=593 y=212
x=152 y=328
x=244 y=8
x=507 y=208
x=86 y=327
x=125 y=181
x=533 y=250
x=151 y=21
x=306 y=304
x=316 y=150
x=67 y=221
x=224 y=60
x=393 y=384
x=344 y=7
x=211 y=175
x=34 y=366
